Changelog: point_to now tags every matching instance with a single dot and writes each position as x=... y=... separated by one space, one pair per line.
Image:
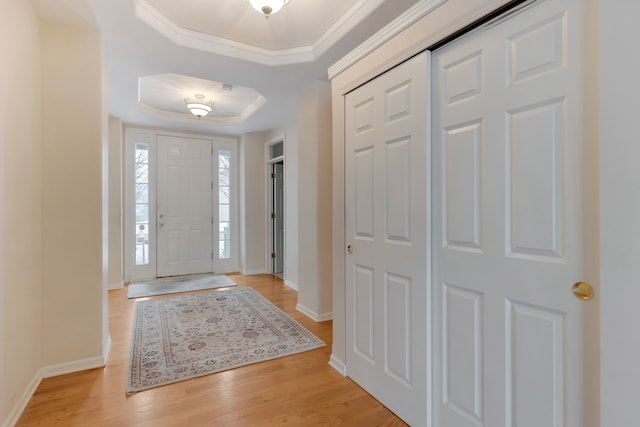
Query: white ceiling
x=183 y=47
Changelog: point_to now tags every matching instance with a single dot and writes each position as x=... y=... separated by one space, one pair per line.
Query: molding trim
x=313 y=315
x=253 y=272
x=395 y=27
x=74 y=366
x=114 y=286
x=337 y=364
x=346 y=23
x=52 y=371
x=291 y=285
x=220 y=46
x=187 y=117
x=21 y=404
x=106 y=348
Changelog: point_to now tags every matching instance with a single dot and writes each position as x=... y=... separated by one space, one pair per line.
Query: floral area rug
x=183 y=337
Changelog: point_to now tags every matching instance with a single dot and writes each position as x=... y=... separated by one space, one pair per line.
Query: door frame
x=133 y=135
x=272 y=209
x=269 y=161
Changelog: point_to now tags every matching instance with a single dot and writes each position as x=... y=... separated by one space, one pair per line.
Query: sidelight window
x=141 y=175
x=224 y=204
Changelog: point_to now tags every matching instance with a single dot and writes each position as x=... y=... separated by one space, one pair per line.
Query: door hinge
x=211 y=220
x=211 y=255
x=273 y=215
x=273 y=175
x=212 y=185
x=273 y=255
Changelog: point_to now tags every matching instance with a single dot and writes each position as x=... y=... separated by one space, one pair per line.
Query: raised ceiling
x=157 y=51
x=301 y=25
x=233 y=105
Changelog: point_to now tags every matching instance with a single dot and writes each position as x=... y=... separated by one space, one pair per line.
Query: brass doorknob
x=583 y=291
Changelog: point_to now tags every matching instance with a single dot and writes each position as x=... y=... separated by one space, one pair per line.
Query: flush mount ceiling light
x=199 y=107
x=268 y=7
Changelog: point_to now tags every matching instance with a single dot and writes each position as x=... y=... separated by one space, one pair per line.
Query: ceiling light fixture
x=199 y=107
x=268 y=7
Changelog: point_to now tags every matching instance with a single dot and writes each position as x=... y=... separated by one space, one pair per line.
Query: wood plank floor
x=297 y=390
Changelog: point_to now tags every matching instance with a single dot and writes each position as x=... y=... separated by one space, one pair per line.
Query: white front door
x=513 y=341
x=184 y=206
x=387 y=217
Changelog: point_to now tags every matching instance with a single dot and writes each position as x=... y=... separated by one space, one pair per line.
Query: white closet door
x=387 y=216
x=184 y=206
x=509 y=224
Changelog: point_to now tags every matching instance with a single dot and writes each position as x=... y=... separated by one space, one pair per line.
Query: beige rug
x=183 y=337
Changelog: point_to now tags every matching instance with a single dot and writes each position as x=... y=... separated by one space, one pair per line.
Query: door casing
x=132 y=136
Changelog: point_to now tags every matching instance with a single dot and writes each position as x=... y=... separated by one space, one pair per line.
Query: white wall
x=620 y=212
x=314 y=197
x=115 y=273
x=21 y=297
x=251 y=176
x=51 y=246
x=72 y=193
x=291 y=174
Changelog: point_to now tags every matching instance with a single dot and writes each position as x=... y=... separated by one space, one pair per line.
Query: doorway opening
x=277 y=218
x=276 y=238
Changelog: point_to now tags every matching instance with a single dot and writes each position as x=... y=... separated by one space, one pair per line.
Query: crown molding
x=217 y=45
x=208 y=119
x=221 y=46
x=356 y=14
x=402 y=22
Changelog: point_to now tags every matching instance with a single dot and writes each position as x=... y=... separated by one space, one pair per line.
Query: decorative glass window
x=142 y=203
x=224 y=204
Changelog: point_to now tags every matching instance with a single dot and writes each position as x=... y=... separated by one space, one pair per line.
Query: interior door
x=278 y=217
x=184 y=206
x=387 y=215
x=510 y=224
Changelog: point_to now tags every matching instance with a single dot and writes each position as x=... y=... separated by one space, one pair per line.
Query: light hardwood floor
x=298 y=390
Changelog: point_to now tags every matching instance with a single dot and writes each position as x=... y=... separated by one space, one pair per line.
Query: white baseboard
x=106 y=348
x=52 y=371
x=337 y=364
x=253 y=272
x=17 y=410
x=114 y=286
x=291 y=285
x=315 y=316
x=75 y=366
